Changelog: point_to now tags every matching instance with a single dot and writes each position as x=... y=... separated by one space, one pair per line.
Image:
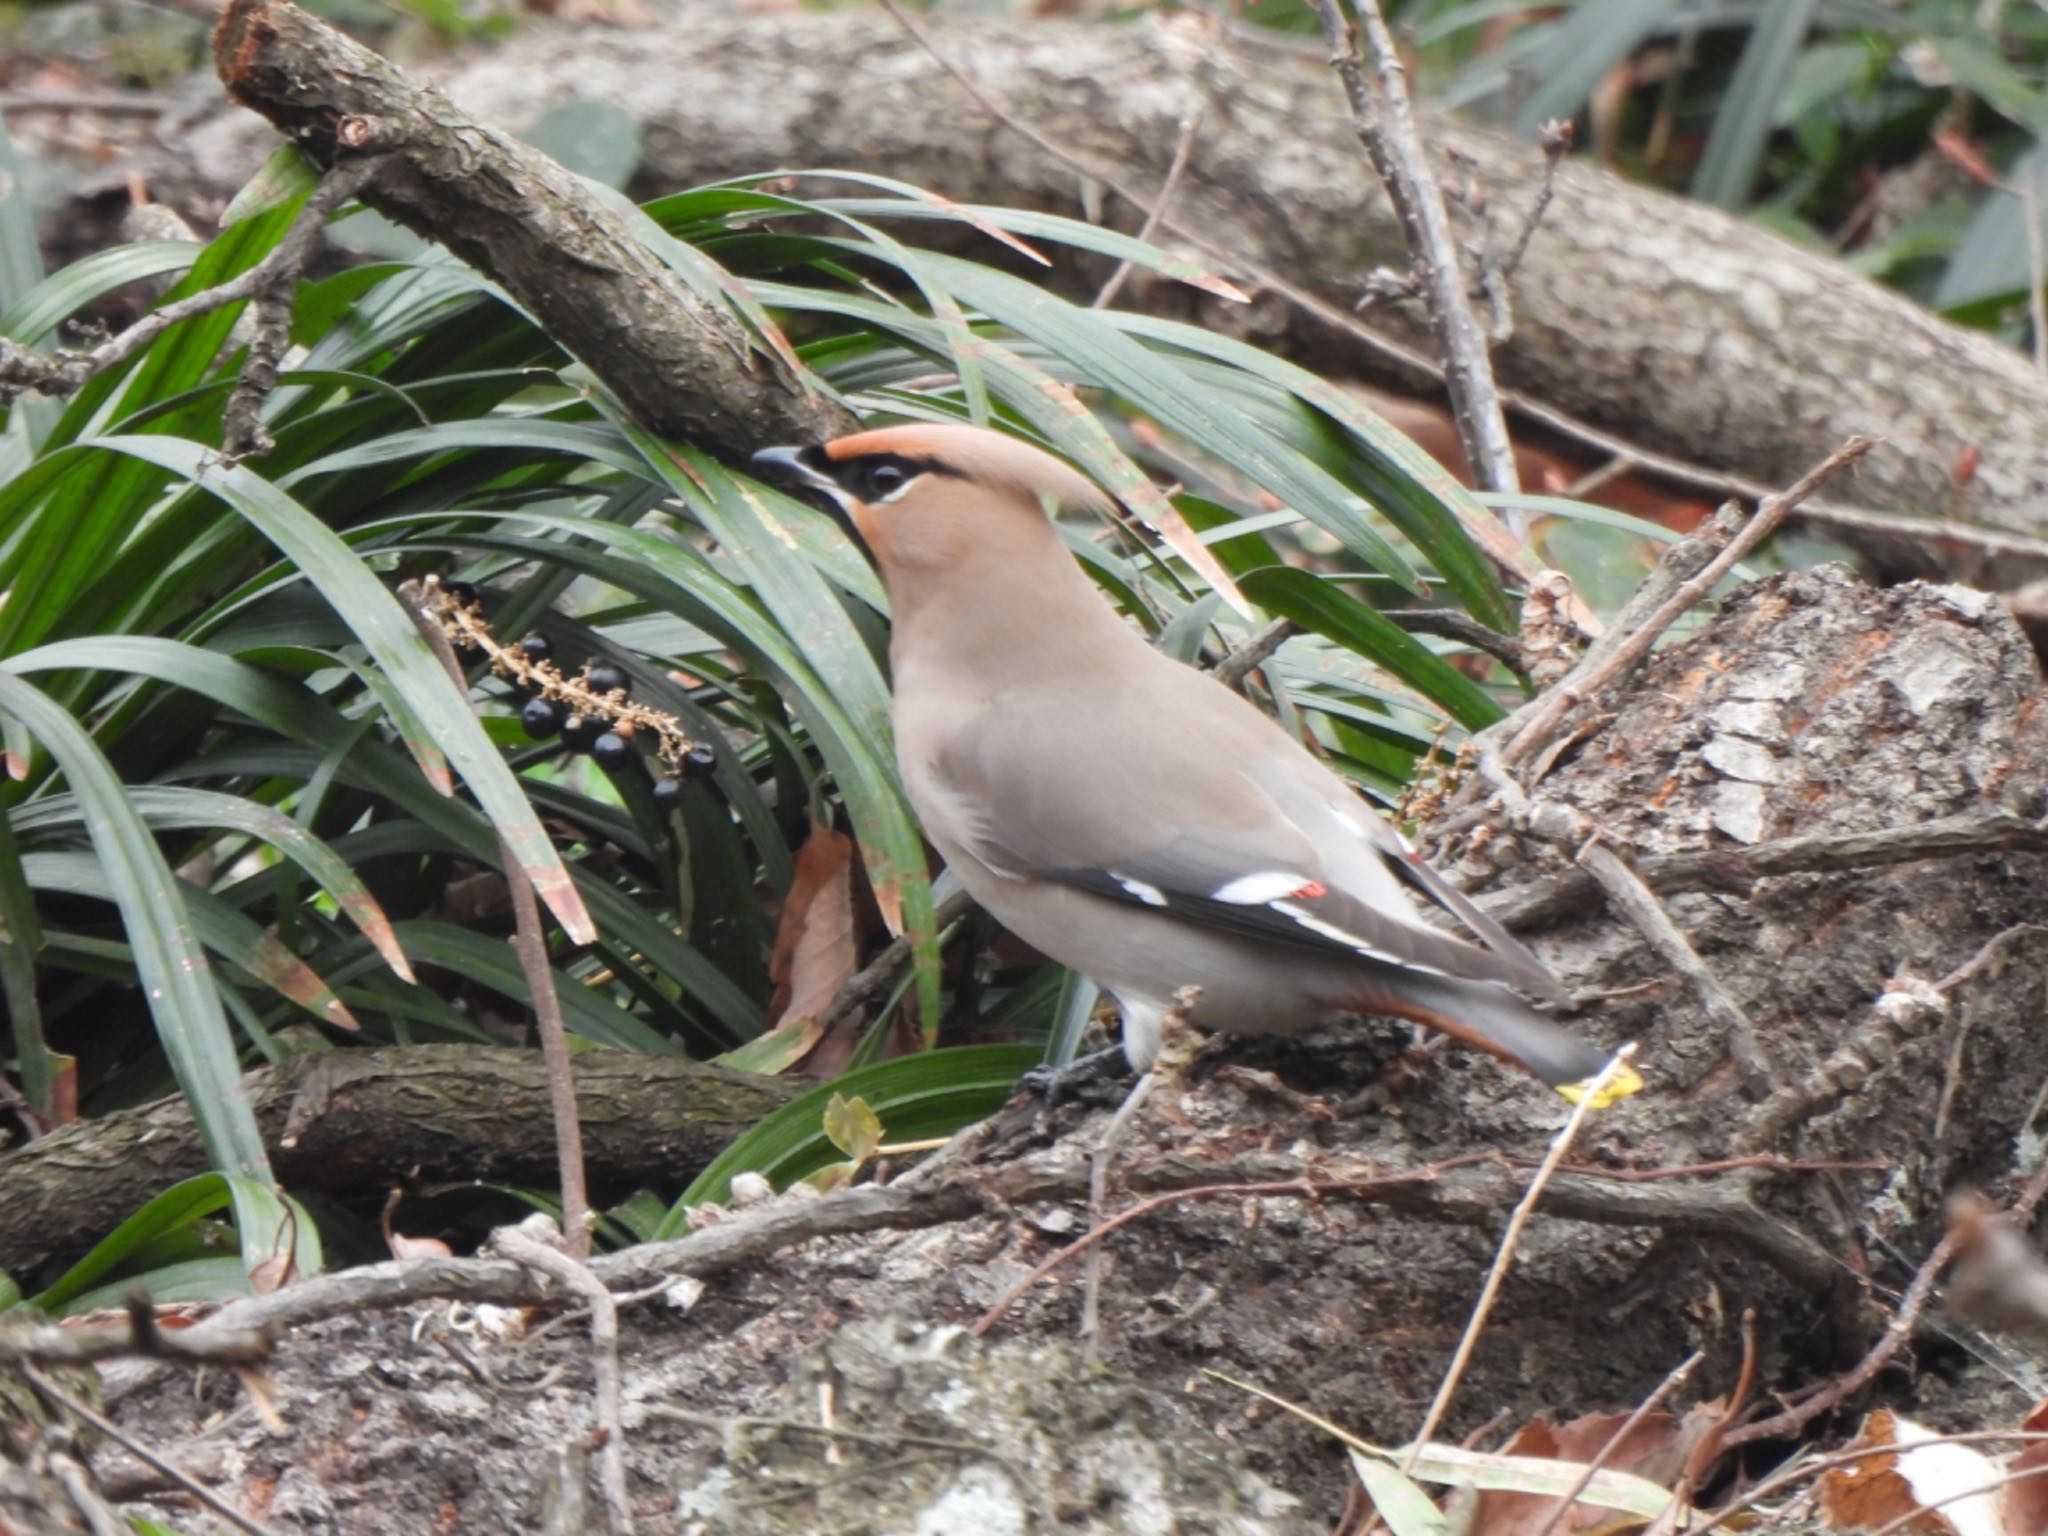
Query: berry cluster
x=592 y=711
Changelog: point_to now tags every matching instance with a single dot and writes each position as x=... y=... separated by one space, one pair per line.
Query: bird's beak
x=787 y=465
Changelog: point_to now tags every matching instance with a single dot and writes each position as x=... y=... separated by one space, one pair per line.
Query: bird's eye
x=883 y=480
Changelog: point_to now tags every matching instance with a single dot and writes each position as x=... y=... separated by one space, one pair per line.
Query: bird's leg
x=1179 y=1042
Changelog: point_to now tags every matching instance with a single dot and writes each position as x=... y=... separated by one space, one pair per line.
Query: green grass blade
x=162 y=806
x=1324 y=608
x=170 y=964
x=388 y=634
x=21 y=936
x=917 y=1097
x=1727 y=168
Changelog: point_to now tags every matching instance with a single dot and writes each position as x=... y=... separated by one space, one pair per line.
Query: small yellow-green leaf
x=855 y=1129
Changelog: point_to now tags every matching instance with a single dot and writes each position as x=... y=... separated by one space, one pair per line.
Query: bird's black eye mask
x=874 y=478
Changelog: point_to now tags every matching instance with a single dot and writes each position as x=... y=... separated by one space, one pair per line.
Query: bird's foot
x=1096 y=1079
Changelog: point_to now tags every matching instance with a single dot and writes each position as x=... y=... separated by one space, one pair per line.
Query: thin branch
x=1804 y=1468
x=2029 y=192
x=1256 y=651
x=1504 y=1257
x=1789 y=1423
x=137 y=1336
x=1738 y=869
x=1183 y=152
x=1621 y=649
x=1454 y=624
x=521 y=1246
x=1394 y=145
x=1555 y=139
x=65 y=374
x=1571 y=830
x=530 y=944
x=177 y=1475
x=1680 y=1373
x=1630 y=897
x=106 y=103
x=879 y=975
x=1470 y=1190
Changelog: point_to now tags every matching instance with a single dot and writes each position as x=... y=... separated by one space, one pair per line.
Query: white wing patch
x=1149 y=894
x=1267 y=885
x=1328 y=930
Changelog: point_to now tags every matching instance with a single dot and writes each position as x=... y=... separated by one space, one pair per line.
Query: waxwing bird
x=1128 y=815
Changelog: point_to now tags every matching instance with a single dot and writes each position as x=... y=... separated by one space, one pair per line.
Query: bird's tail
x=1494 y=1019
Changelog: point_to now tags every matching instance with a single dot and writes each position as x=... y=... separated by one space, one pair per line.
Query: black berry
x=537 y=647
x=464 y=592
x=580 y=731
x=668 y=793
x=606 y=678
x=541 y=718
x=612 y=751
x=699 y=761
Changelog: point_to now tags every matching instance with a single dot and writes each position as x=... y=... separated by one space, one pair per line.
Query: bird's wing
x=1214 y=817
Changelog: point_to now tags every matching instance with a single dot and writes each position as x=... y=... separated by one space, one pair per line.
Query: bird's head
x=923 y=497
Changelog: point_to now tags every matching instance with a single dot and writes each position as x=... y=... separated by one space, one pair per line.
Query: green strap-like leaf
x=392 y=641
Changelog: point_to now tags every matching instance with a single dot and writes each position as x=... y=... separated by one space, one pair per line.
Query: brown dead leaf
x=1656 y=1448
x=2024 y=1500
x=1887 y=1489
x=816 y=947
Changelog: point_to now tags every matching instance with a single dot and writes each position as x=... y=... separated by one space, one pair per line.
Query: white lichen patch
x=1738 y=810
x=1737 y=757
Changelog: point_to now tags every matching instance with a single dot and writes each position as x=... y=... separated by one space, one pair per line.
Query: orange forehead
x=913 y=441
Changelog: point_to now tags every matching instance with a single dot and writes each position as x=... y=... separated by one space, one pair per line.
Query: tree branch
x=588 y=271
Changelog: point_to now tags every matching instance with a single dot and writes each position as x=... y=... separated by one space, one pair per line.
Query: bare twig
x=1622 y=649
x=242 y=431
x=522 y=1246
x=1469 y=1190
x=1571 y=830
x=106 y=1426
x=1614 y=468
x=138 y=1335
x=1394 y=146
x=107 y=103
x=2029 y=192
x=1555 y=140
x=1510 y=1240
x=1256 y=651
x=66 y=373
x=1806 y=1468
x=1629 y=896
x=1737 y=869
x=1183 y=151
x=1452 y=624
x=1794 y=1419
x=529 y=943
x=1680 y=1373
x=1990 y=950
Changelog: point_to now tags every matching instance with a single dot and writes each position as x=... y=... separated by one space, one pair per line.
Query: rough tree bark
x=573 y=259
x=349 y=1121
x=1814 y=704
x=1672 y=324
